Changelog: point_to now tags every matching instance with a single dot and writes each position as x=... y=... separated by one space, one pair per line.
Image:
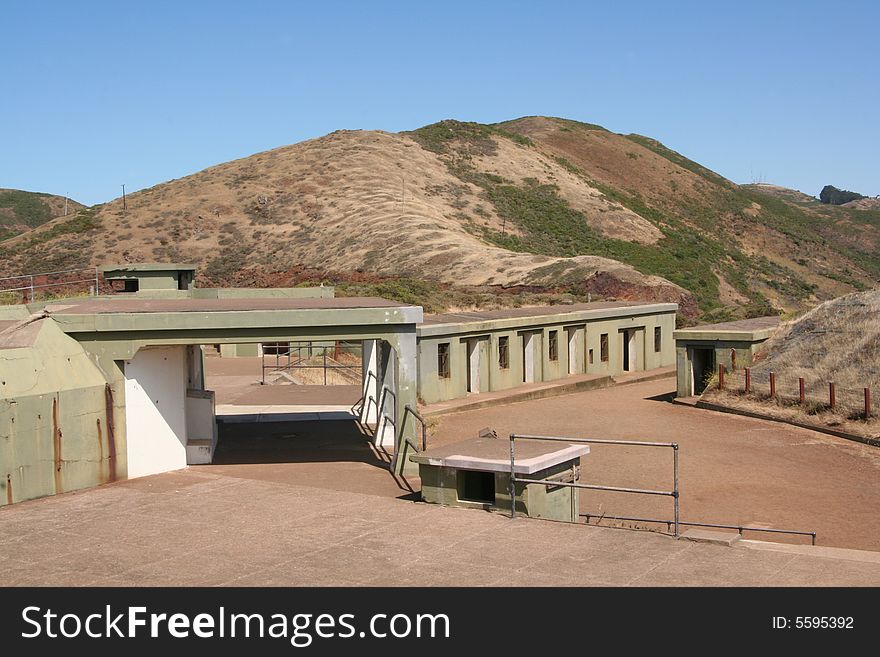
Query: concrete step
x=714 y=536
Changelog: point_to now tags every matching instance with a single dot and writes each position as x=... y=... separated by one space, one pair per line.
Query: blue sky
x=97 y=94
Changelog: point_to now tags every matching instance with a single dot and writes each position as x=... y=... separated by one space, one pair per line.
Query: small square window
x=443 y=360
x=590 y=353
x=658 y=339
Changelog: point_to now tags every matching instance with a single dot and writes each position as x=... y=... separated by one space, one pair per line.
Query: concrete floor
x=303 y=503
x=734 y=470
x=197 y=527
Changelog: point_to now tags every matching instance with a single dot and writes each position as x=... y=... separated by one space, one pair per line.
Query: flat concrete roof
x=446 y=323
x=749 y=330
x=125 y=304
x=493 y=455
x=148 y=266
x=137 y=314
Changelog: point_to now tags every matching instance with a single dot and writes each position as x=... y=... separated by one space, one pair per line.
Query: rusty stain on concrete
x=56 y=442
x=111 y=434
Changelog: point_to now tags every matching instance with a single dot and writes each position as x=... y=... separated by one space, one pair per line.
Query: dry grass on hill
x=838 y=341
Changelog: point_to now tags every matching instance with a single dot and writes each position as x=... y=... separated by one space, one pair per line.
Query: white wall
x=371 y=385
x=155 y=410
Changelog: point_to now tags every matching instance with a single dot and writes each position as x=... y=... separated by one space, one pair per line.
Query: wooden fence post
x=748 y=379
x=832 y=395
x=772 y=385
x=801 y=389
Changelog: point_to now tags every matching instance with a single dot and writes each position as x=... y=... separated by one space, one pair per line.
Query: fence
x=574 y=484
x=299 y=357
x=812 y=395
x=29 y=285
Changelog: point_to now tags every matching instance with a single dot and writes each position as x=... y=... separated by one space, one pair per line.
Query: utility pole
x=124 y=206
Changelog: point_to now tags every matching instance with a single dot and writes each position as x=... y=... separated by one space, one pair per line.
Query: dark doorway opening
x=476 y=486
x=703 y=366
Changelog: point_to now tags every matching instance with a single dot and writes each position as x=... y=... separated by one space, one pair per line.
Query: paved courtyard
x=196 y=527
x=312 y=503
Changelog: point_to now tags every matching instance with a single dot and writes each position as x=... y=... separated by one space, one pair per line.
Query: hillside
x=463 y=212
x=20 y=211
x=837 y=341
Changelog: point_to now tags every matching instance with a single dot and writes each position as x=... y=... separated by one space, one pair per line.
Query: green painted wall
x=433 y=388
x=54 y=429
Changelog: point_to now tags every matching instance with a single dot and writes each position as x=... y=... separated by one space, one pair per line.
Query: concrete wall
x=57 y=428
x=587 y=335
x=155 y=410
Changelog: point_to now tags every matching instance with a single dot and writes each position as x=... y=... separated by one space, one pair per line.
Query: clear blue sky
x=96 y=94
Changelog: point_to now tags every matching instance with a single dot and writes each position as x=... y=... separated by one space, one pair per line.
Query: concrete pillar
x=403 y=346
x=371 y=386
x=387 y=375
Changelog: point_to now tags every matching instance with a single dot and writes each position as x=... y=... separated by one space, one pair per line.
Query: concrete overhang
x=722 y=336
x=746 y=330
x=563 y=316
x=138 y=316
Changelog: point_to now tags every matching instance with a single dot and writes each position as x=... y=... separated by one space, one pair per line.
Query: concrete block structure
x=476 y=474
x=97 y=389
x=700 y=349
x=473 y=352
x=149 y=277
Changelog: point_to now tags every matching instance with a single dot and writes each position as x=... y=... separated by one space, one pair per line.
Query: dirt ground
x=734 y=470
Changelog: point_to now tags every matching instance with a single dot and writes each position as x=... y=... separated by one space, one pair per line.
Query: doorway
x=572 y=333
x=702 y=368
x=473 y=370
x=630 y=362
x=528 y=342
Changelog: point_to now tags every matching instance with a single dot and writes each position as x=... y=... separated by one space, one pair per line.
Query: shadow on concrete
x=665 y=397
x=324 y=441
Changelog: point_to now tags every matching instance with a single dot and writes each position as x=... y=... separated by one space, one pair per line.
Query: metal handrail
x=364 y=400
x=380 y=407
x=674 y=493
x=46 y=273
x=407 y=442
x=739 y=528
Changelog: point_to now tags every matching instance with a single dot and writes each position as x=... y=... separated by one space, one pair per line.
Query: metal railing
x=402 y=443
x=740 y=528
x=574 y=484
x=285 y=361
x=405 y=442
x=363 y=403
x=30 y=283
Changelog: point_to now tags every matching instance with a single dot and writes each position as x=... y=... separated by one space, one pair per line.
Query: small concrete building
x=699 y=350
x=149 y=276
x=473 y=352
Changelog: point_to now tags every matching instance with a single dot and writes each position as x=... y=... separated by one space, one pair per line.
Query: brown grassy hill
x=21 y=211
x=837 y=341
x=538 y=205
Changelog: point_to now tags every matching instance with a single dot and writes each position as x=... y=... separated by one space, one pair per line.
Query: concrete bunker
x=701 y=349
x=475 y=473
x=142 y=370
